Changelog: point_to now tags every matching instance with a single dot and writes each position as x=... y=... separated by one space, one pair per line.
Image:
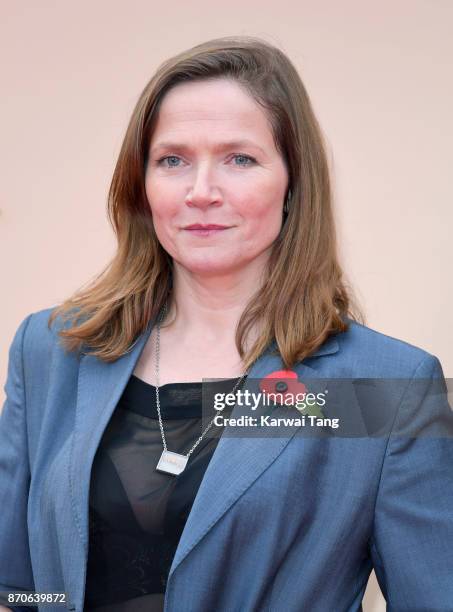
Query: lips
x=206 y=231
x=211 y=226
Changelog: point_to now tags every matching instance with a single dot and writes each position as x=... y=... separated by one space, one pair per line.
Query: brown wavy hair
x=304 y=298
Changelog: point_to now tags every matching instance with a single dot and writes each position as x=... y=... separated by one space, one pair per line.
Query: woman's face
x=212 y=160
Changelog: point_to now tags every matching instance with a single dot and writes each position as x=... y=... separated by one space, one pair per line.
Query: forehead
x=211 y=107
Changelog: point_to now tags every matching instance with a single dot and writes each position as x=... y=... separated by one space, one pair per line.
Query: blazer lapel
x=238 y=461
x=100 y=386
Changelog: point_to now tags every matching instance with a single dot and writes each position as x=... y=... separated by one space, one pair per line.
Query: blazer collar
x=236 y=463
x=328 y=347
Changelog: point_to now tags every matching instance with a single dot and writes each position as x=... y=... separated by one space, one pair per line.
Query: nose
x=202 y=192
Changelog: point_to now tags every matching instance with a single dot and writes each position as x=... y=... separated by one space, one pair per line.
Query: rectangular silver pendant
x=172 y=463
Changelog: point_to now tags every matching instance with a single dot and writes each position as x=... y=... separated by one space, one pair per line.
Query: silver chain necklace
x=170 y=462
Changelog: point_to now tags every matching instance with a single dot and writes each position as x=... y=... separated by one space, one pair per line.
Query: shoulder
x=36 y=339
x=368 y=352
x=37 y=331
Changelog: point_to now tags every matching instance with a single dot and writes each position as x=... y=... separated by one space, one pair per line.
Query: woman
x=112 y=491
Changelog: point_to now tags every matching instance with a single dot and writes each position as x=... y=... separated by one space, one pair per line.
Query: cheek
x=152 y=192
x=161 y=201
x=263 y=220
x=263 y=213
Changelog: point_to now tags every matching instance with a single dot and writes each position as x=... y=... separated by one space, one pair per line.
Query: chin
x=212 y=268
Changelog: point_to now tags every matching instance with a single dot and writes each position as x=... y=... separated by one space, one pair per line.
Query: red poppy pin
x=285 y=384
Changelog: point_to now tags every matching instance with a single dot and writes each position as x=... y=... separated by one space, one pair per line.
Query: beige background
x=380 y=79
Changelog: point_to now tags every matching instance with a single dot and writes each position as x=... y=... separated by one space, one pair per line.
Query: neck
x=209 y=307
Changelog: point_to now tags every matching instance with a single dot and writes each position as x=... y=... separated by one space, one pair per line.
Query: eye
x=247 y=158
x=171 y=158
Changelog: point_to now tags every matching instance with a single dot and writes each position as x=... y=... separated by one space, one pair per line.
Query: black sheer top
x=137 y=514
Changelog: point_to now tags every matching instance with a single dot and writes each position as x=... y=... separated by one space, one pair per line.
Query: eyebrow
x=219 y=147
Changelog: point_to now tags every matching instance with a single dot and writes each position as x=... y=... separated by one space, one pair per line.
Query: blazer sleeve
x=412 y=542
x=16 y=573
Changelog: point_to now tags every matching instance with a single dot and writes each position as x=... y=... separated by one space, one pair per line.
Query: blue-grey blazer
x=286 y=523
